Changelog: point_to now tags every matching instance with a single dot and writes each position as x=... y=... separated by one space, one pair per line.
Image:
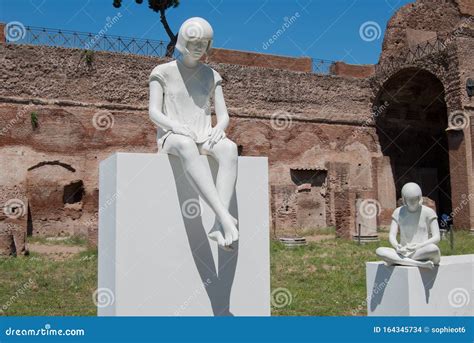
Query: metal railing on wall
x=411 y=55
x=100 y=42
x=322 y=66
x=89 y=41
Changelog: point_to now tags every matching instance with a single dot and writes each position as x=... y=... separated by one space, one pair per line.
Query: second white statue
x=181 y=92
x=416 y=224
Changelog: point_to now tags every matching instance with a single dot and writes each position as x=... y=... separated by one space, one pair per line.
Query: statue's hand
x=183 y=130
x=401 y=249
x=216 y=135
x=413 y=246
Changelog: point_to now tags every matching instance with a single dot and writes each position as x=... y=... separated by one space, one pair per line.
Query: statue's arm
x=220 y=108
x=392 y=236
x=435 y=235
x=156 y=105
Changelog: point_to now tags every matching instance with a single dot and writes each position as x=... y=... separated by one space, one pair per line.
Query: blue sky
x=319 y=29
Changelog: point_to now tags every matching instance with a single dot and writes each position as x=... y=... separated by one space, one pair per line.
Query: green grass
x=323 y=278
x=328 y=277
x=40 y=286
x=69 y=241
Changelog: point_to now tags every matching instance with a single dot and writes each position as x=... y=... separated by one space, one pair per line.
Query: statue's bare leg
x=187 y=151
x=390 y=256
x=429 y=252
x=225 y=153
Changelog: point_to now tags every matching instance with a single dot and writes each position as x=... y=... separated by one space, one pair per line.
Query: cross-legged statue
x=180 y=105
x=415 y=222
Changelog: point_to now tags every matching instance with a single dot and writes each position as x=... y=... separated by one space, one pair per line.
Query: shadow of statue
x=428 y=277
x=382 y=278
x=217 y=281
x=194 y=85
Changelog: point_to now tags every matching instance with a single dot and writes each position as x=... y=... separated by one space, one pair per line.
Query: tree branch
x=166 y=25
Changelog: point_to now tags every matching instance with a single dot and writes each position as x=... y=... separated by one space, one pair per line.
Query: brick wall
x=352 y=70
x=466 y=6
x=246 y=58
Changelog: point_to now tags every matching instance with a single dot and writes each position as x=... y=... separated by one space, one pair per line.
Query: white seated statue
x=415 y=222
x=180 y=105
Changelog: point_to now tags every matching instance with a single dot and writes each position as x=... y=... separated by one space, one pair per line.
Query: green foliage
x=89 y=57
x=34 y=120
x=324 y=278
x=327 y=278
x=155 y=5
x=39 y=286
x=160 y=6
x=74 y=240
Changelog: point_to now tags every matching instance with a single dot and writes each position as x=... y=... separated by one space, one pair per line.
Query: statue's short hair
x=194 y=29
x=411 y=190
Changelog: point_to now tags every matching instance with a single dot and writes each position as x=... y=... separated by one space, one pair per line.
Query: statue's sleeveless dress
x=187 y=94
x=414 y=226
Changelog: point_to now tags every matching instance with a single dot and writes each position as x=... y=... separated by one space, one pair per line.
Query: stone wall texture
x=62 y=111
x=248 y=58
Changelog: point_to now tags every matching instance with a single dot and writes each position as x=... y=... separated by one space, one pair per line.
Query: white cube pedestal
x=447 y=290
x=154 y=255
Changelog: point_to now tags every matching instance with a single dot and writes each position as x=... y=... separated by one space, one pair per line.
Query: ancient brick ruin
x=358 y=133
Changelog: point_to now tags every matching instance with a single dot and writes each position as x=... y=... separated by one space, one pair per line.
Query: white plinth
x=447 y=290
x=155 y=261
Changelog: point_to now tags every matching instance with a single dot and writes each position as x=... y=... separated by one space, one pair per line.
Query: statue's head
x=195 y=37
x=412 y=196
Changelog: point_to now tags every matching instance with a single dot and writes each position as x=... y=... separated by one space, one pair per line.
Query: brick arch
x=412 y=134
x=55 y=192
x=382 y=81
x=444 y=65
x=400 y=82
x=442 y=62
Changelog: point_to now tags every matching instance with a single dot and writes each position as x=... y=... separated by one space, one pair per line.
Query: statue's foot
x=216 y=235
x=235 y=232
x=231 y=234
x=427 y=264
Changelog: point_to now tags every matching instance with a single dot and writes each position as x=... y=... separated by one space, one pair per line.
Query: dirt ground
x=56 y=252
